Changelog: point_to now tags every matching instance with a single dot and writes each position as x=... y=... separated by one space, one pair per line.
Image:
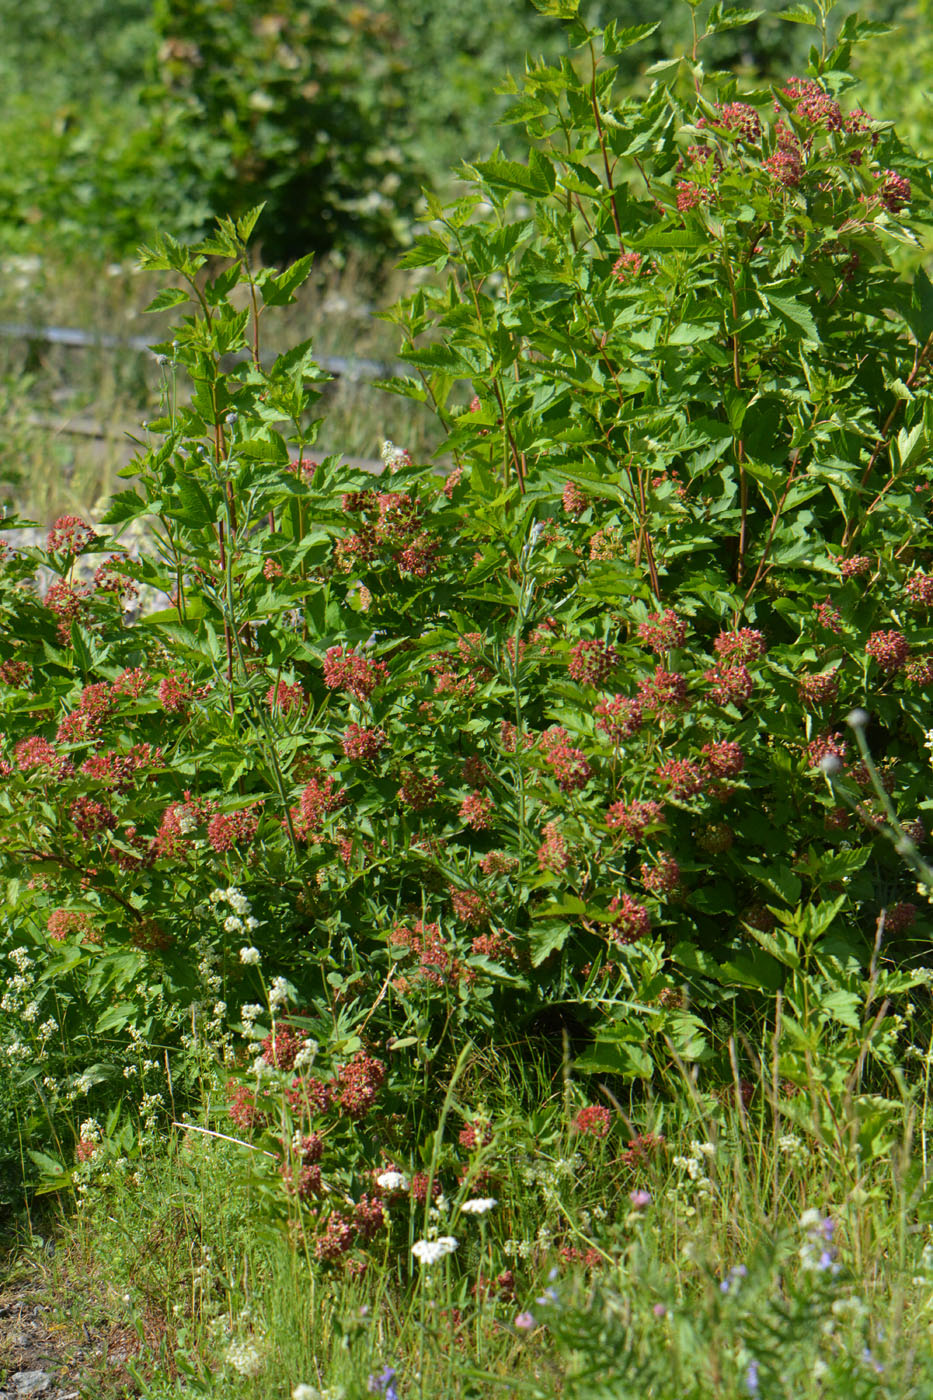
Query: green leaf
x=528 y=179
x=795 y=312
x=167 y=298
x=547 y=937
x=616 y=39
x=800 y=14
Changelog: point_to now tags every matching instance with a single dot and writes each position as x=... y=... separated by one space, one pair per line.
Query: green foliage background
x=124 y=118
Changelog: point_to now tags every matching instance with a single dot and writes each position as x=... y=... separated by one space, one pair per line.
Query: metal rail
x=349 y=367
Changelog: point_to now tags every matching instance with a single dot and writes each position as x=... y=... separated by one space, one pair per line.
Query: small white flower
x=702 y=1149
x=233 y=925
x=392 y=1181
x=479 y=1205
x=279 y=992
x=430 y=1251
x=237 y=900
x=249 y=955
x=252 y=1009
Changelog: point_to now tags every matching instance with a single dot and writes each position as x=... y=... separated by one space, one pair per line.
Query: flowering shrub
x=548 y=730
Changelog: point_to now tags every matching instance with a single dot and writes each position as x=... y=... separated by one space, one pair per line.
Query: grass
x=760 y=1257
x=51 y=395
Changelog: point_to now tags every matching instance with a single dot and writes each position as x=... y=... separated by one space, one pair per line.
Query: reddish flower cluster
x=686 y=779
x=919 y=590
x=552 y=853
x=568 y=765
x=175 y=692
x=627 y=267
x=642 y=1150
x=823 y=746
x=635 y=818
x=729 y=685
x=574 y=500
x=663 y=877
x=742 y=120
x=477 y=811
x=281 y=1046
x=724 y=759
x=785 y=167
x=69 y=535
x=14 y=673
x=468 y=907
x=285 y=698
x=91 y=817
x=619 y=718
x=632 y=920
x=436 y=963
x=272 y=569
x=109 y=578
x=363 y=745
x=68 y=601
x=226 y=830
x=358 y=1084
x=318 y=800
x=813 y=104
x=663 y=631
x=593 y=1121
x=592 y=661
x=920 y=672
x=894 y=191
x=663 y=694
x=740 y=647
x=87 y=720
x=336 y=1239
x=120 y=771
x=244 y=1112
x=475 y=771
x=690 y=196
x=357 y=675
x=822 y=689
x=62 y=923
x=38 y=753
x=498 y=863
x=890 y=649
x=855 y=565
x=476 y=1134
x=418 y=790
x=132 y=682
x=828 y=616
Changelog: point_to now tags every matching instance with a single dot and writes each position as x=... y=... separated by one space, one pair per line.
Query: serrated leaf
x=616 y=39
x=547 y=937
x=167 y=298
x=799 y=14
x=795 y=312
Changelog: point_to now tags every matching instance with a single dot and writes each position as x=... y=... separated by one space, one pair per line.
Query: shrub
x=548 y=737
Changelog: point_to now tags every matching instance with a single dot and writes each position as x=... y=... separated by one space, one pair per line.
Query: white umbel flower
x=430 y=1251
x=479 y=1205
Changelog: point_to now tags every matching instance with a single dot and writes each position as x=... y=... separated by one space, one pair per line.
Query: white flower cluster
x=793 y=1148
x=311 y=1392
x=695 y=1174
x=280 y=992
x=90 y=1130
x=244 y=1357
x=392 y=1181
x=20 y=957
x=479 y=1205
x=394 y=457
x=240 y=920
x=429 y=1252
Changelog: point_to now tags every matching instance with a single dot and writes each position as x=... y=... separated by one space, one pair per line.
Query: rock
x=30 y=1382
